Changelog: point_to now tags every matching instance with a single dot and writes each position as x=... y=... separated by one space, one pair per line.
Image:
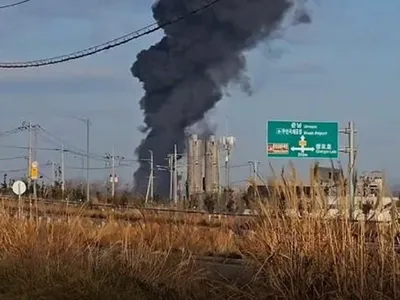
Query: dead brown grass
x=79 y=260
x=290 y=258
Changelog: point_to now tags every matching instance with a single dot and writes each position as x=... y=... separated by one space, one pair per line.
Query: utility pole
x=170 y=163
x=83 y=167
x=53 y=170
x=34 y=154
x=175 y=174
x=29 y=157
x=82 y=158
x=87 y=123
x=112 y=178
x=52 y=164
x=62 y=172
x=350 y=149
x=254 y=164
x=150 y=185
x=87 y=160
x=152 y=175
x=35 y=138
x=113 y=174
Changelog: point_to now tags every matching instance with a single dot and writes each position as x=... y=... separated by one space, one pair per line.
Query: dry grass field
x=104 y=214
x=73 y=257
x=292 y=259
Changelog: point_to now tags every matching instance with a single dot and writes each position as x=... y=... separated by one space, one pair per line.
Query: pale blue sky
x=343 y=66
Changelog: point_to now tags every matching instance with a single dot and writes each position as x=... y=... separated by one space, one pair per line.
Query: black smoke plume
x=183 y=75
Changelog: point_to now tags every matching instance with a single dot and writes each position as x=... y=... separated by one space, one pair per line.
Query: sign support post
x=351 y=150
x=19 y=188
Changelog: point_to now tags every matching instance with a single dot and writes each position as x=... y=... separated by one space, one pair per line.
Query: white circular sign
x=19 y=187
x=35 y=164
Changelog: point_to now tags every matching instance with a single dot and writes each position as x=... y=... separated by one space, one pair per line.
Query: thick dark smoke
x=183 y=75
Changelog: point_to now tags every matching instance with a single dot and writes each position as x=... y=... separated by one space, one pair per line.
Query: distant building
x=328 y=179
x=371 y=184
x=328 y=174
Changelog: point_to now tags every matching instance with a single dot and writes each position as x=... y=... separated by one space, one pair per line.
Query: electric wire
x=14 y=4
x=75 y=150
x=104 y=46
x=12 y=158
x=96 y=168
x=51 y=149
x=12 y=131
x=52 y=139
x=26 y=148
x=13 y=170
x=78 y=152
x=62 y=142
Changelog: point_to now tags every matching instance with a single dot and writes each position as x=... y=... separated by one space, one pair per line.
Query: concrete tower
x=211 y=169
x=194 y=166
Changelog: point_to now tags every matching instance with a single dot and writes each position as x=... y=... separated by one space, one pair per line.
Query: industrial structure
x=194 y=166
x=330 y=180
x=227 y=143
x=202 y=165
x=211 y=166
x=370 y=184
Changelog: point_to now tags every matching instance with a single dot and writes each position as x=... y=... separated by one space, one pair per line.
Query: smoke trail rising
x=183 y=74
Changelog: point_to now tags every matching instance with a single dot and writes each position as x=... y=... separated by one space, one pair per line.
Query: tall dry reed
x=307 y=257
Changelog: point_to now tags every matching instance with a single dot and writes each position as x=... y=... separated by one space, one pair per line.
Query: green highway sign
x=302 y=139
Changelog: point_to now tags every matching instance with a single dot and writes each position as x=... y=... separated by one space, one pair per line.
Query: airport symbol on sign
x=302 y=144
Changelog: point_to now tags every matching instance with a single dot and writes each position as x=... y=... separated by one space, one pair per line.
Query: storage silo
x=194 y=166
x=211 y=169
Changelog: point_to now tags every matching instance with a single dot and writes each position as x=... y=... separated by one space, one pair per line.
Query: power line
x=25 y=148
x=80 y=152
x=13 y=170
x=57 y=149
x=236 y=166
x=104 y=46
x=73 y=149
x=60 y=141
x=12 y=158
x=98 y=168
x=14 y=4
x=13 y=131
x=53 y=139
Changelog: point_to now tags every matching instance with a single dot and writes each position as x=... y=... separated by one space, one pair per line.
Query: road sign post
x=19 y=188
x=302 y=139
x=316 y=140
